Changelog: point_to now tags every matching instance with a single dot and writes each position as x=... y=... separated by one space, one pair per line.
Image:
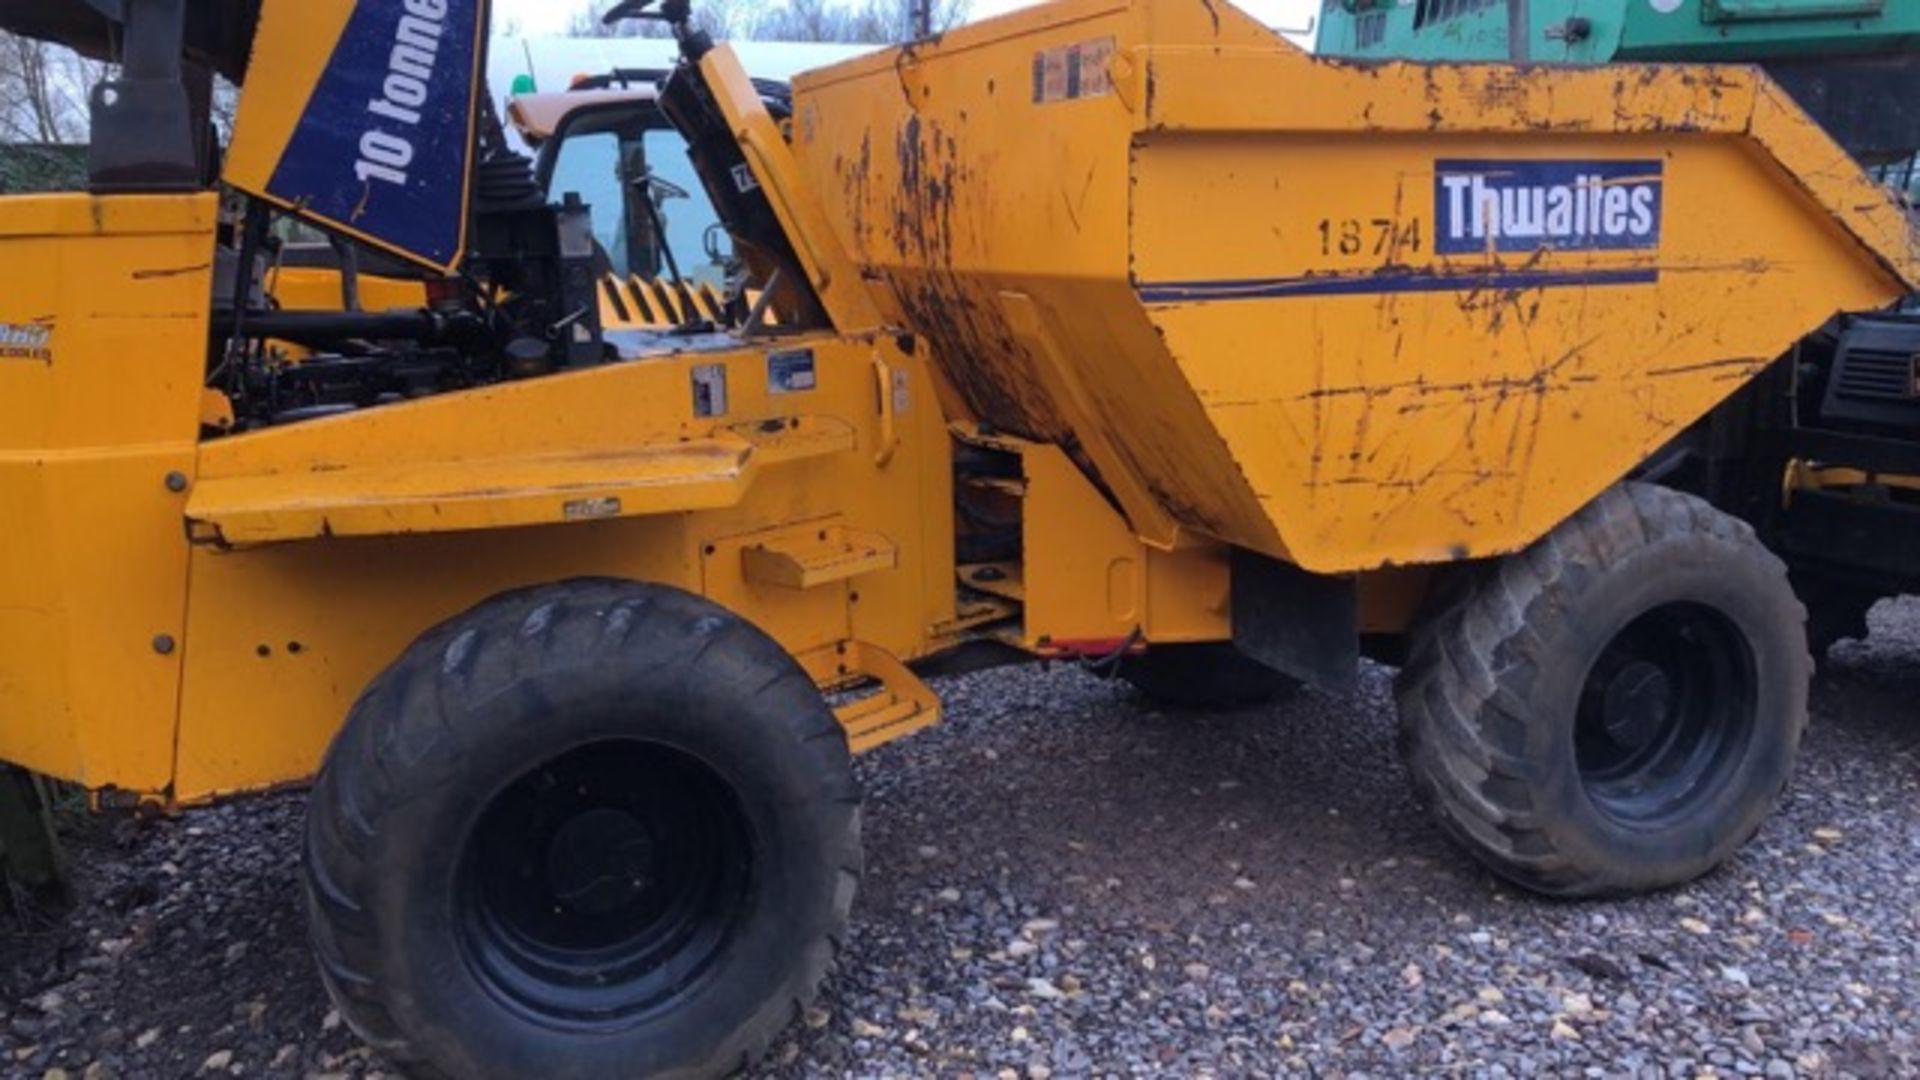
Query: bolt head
x=163 y=644
x=176 y=482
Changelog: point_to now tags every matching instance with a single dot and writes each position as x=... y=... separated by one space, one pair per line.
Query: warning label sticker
x=791 y=372
x=1072 y=72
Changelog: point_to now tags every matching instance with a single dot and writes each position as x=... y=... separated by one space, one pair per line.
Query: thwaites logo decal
x=26 y=341
x=382 y=146
x=1524 y=206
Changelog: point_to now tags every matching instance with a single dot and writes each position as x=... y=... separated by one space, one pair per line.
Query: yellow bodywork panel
x=811 y=558
x=282 y=636
x=900 y=706
x=794 y=200
x=103 y=345
x=1266 y=297
x=1085 y=580
x=302 y=288
x=184 y=616
x=625 y=477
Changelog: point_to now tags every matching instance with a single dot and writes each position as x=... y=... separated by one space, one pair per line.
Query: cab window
x=647 y=200
x=588 y=165
x=694 y=231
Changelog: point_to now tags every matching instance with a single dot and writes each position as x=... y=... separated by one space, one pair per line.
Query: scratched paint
x=1254 y=324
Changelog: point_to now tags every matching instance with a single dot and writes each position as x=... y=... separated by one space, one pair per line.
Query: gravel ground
x=1063 y=881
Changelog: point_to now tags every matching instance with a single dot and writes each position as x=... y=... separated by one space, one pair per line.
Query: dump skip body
x=1349 y=315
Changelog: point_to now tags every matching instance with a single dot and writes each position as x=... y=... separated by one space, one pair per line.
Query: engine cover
x=1876 y=373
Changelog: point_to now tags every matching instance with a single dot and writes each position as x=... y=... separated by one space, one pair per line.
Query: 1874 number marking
x=1379 y=237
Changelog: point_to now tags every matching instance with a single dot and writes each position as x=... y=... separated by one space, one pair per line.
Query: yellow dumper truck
x=1115 y=330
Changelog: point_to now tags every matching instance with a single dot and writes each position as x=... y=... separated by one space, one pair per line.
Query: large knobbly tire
x=594 y=829
x=1615 y=709
x=1211 y=675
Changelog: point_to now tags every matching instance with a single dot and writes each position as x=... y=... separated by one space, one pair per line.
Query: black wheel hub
x=1665 y=714
x=601 y=861
x=1638 y=703
x=603 y=884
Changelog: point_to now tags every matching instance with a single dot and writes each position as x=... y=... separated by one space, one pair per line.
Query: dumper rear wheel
x=596 y=829
x=1617 y=708
x=1209 y=675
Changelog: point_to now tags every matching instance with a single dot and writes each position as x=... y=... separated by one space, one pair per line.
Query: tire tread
x=382 y=741
x=1479 y=648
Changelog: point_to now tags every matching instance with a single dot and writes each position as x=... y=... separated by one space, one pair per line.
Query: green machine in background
x=1853 y=64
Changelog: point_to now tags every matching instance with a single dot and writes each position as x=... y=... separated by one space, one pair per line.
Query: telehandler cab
x=1043 y=339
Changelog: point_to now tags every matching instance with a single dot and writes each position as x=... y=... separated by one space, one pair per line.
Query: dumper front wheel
x=596 y=829
x=1616 y=709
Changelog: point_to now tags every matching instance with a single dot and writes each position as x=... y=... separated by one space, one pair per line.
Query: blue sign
x=791 y=372
x=1526 y=206
x=383 y=147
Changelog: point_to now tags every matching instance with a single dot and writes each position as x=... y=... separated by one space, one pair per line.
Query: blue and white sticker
x=1525 y=206
x=791 y=372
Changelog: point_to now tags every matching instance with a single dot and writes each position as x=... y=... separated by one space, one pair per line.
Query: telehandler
x=1110 y=330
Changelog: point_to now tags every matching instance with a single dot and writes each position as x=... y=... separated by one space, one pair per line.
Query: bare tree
x=722 y=18
x=587 y=24
x=876 y=22
x=225 y=108
x=43 y=91
x=868 y=22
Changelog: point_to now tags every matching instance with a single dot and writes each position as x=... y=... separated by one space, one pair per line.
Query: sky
x=552 y=16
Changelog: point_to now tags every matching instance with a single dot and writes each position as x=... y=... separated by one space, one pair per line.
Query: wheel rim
x=1667 y=708
x=600 y=886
